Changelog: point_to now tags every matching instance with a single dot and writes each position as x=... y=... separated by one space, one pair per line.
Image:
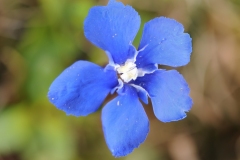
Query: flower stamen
x=128 y=71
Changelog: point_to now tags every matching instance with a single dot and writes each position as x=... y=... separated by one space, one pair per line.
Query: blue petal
x=81 y=88
x=142 y=93
x=125 y=123
x=169 y=93
x=165 y=43
x=112 y=28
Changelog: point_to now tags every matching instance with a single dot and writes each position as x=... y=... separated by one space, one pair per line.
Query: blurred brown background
x=39 y=38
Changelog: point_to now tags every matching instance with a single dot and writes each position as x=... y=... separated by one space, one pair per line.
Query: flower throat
x=128 y=71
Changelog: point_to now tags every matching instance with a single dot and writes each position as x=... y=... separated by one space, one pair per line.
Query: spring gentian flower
x=132 y=73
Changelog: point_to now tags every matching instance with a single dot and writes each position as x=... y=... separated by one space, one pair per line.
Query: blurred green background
x=40 y=38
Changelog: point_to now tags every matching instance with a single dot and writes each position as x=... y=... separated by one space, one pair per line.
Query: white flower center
x=128 y=71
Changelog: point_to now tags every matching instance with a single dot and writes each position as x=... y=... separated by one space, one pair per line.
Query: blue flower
x=132 y=73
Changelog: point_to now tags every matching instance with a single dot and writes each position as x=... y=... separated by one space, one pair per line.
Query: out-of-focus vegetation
x=40 y=38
